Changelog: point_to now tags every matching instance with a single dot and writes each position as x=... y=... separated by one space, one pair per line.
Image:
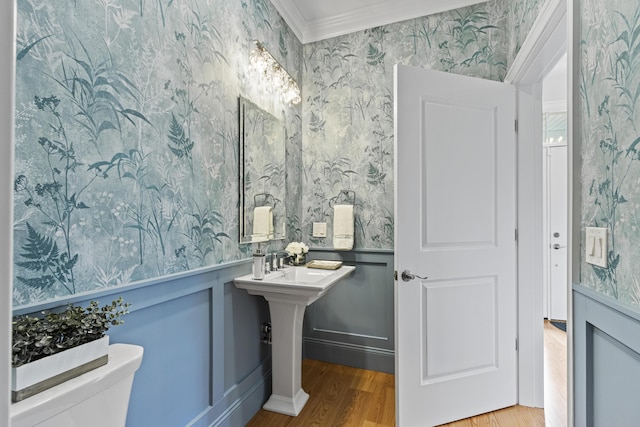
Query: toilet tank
x=98 y=398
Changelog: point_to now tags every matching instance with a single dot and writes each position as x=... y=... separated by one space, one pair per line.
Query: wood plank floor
x=339 y=396
x=348 y=397
x=555 y=375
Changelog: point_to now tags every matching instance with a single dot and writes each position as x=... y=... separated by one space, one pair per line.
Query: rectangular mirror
x=262 y=174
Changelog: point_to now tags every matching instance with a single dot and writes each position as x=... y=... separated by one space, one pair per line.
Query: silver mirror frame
x=262 y=168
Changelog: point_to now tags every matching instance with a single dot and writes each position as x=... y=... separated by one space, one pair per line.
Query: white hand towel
x=263 y=222
x=343 y=227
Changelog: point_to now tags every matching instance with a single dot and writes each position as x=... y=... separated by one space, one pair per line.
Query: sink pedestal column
x=287 y=396
x=289 y=292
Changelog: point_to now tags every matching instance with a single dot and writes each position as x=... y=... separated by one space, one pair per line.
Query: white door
x=455 y=210
x=557 y=206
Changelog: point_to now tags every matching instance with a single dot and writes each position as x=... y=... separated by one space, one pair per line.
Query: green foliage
x=377 y=33
x=155 y=220
x=161 y=7
x=95 y=89
x=627 y=61
x=25 y=50
x=468 y=25
x=375 y=176
x=207 y=40
x=335 y=170
x=375 y=56
x=56 y=200
x=43 y=256
x=282 y=44
x=273 y=174
x=203 y=234
x=261 y=14
x=180 y=144
x=607 y=192
x=106 y=190
x=51 y=332
x=421 y=32
x=332 y=57
x=133 y=166
x=316 y=123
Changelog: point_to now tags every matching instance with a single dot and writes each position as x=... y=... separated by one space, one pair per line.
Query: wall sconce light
x=274 y=74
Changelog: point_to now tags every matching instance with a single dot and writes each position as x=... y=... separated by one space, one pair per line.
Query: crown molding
x=362 y=18
x=292 y=16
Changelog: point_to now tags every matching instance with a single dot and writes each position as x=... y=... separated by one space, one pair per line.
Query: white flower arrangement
x=297 y=250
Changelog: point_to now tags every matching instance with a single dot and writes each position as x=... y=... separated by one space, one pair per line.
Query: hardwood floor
x=555 y=375
x=339 y=396
x=348 y=397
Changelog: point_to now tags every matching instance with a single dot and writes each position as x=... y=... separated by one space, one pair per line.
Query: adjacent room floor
x=344 y=396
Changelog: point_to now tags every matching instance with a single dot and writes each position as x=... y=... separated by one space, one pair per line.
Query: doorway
x=555 y=174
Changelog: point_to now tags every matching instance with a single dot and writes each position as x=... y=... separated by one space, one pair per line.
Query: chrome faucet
x=278 y=259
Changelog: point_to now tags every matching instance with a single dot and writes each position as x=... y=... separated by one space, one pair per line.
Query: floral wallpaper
x=347 y=120
x=522 y=15
x=126 y=150
x=609 y=82
x=127 y=128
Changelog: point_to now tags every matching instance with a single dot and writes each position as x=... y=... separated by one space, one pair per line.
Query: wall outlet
x=319 y=229
x=596 y=248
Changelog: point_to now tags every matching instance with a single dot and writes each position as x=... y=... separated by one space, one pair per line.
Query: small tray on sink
x=324 y=264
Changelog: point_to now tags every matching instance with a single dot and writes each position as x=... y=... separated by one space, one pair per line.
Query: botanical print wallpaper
x=348 y=107
x=126 y=150
x=522 y=15
x=609 y=89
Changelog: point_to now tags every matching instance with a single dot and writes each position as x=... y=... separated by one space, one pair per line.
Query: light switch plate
x=319 y=229
x=596 y=246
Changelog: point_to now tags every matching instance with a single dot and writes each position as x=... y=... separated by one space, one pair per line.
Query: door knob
x=557 y=246
x=407 y=276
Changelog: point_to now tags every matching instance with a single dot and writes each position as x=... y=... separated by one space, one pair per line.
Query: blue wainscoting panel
x=606 y=361
x=244 y=315
x=353 y=324
x=176 y=364
x=203 y=362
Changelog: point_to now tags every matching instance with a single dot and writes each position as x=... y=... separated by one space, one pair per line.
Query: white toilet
x=99 y=398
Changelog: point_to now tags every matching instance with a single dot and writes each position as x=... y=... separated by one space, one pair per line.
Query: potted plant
x=53 y=347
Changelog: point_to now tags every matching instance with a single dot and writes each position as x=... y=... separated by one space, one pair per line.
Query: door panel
x=463 y=200
x=469 y=307
x=455 y=223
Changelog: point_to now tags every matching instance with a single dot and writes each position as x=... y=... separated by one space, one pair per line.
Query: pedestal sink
x=289 y=292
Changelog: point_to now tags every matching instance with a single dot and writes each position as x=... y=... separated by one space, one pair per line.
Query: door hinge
x=516 y=234
x=516 y=344
x=395 y=275
x=516 y=125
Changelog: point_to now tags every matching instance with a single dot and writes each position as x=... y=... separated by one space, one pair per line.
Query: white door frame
x=544 y=46
x=7 y=85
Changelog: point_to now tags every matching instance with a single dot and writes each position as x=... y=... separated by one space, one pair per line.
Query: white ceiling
x=313 y=20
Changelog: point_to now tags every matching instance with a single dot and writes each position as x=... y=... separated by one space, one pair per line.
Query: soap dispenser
x=259 y=260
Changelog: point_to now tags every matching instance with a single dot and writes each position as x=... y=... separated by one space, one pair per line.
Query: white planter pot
x=37 y=376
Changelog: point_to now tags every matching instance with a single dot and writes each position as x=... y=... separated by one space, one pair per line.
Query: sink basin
x=293 y=284
x=289 y=292
x=306 y=276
